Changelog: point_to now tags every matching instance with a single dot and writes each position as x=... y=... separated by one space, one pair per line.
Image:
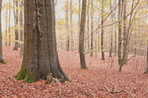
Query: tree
x=102 y=30
x=119 y=33
x=125 y=37
x=40 y=57
x=82 y=30
x=16 y=23
x=147 y=59
x=92 y=27
x=71 y=25
x=21 y=17
x=67 y=25
x=1 y=53
x=88 y=30
x=9 y=29
x=112 y=32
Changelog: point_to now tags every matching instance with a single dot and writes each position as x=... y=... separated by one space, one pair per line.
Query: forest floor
x=98 y=81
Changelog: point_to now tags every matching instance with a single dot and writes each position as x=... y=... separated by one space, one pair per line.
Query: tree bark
x=21 y=18
x=102 y=30
x=125 y=37
x=119 y=33
x=1 y=52
x=147 y=59
x=71 y=25
x=79 y=15
x=6 y=30
x=88 y=30
x=9 y=30
x=40 y=51
x=92 y=27
x=112 y=31
x=15 y=2
x=67 y=25
x=81 y=39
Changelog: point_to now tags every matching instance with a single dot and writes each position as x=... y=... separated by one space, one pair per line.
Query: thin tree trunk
x=102 y=30
x=147 y=59
x=6 y=30
x=88 y=31
x=115 y=45
x=112 y=32
x=9 y=30
x=82 y=31
x=125 y=37
x=98 y=35
x=119 y=33
x=21 y=17
x=79 y=15
x=67 y=25
x=15 y=2
x=71 y=24
x=1 y=44
x=92 y=27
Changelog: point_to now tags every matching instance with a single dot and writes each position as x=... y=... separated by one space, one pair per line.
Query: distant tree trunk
x=147 y=59
x=79 y=15
x=21 y=17
x=125 y=37
x=102 y=30
x=40 y=51
x=98 y=35
x=81 y=39
x=67 y=25
x=92 y=27
x=1 y=52
x=128 y=35
x=119 y=33
x=112 y=32
x=16 y=24
x=88 y=30
x=115 y=39
x=9 y=30
x=6 y=30
x=71 y=24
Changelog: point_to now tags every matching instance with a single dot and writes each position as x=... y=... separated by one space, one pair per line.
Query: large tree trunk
x=81 y=39
x=40 y=51
x=1 y=53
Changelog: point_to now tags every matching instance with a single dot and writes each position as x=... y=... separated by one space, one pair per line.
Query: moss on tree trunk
x=26 y=75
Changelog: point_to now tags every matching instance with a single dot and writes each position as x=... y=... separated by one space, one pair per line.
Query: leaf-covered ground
x=98 y=81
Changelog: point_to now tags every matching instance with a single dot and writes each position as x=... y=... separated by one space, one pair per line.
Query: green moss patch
x=29 y=78
x=84 y=67
x=15 y=48
x=21 y=74
x=2 y=61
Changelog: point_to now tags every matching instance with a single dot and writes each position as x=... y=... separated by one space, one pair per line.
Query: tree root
x=51 y=79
